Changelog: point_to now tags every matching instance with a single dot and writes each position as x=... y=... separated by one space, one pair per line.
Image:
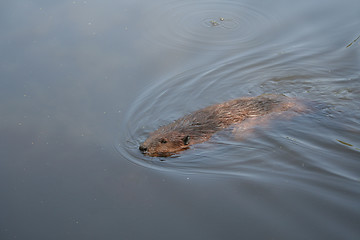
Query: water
x=83 y=83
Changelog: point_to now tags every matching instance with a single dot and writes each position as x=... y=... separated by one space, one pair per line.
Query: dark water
x=84 y=82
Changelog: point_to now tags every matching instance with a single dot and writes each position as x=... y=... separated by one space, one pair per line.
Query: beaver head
x=165 y=144
x=179 y=135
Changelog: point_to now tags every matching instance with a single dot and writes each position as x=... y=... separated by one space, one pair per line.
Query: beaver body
x=200 y=125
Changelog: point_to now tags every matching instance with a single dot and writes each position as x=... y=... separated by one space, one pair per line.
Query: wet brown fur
x=200 y=125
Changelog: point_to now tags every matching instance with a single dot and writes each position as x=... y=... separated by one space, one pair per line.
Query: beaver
x=200 y=125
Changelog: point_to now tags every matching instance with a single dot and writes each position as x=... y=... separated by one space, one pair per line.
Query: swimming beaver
x=199 y=126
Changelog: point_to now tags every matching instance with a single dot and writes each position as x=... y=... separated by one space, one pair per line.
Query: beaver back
x=200 y=125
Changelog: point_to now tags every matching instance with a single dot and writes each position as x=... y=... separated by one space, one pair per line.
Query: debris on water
x=353 y=41
x=345 y=143
x=214 y=23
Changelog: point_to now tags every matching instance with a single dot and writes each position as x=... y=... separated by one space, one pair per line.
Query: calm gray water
x=83 y=83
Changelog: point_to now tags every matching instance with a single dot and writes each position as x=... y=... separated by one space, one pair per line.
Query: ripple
x=171 y=98
x=164 y=102
x=294 y=72
x=189 y=25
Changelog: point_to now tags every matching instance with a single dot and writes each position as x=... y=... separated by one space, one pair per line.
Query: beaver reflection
x=200 y=125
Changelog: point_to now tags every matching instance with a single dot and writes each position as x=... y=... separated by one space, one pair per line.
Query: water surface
x=83 y=83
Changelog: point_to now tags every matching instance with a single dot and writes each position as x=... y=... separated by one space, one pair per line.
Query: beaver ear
x=186 y=140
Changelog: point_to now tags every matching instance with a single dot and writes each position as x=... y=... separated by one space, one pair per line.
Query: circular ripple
x=164 y=101
x=169 y=99
x=189 y=25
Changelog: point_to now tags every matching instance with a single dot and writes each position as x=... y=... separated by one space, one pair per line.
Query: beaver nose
x=142 y=148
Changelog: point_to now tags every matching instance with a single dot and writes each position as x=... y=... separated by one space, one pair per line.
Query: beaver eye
x=163 y=140
x=186 y=140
